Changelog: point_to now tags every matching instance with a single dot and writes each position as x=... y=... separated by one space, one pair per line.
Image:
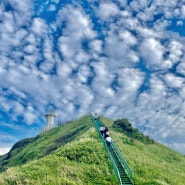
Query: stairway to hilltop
x=120 y=165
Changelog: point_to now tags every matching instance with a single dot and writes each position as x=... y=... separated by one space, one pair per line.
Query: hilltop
x=73 y=154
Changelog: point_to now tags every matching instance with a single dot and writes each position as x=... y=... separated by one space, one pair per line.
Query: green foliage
x=72 y=154
x=82 y=161
x=125 y=126
x=151 y=164
x=45 y=143
x=86 y=152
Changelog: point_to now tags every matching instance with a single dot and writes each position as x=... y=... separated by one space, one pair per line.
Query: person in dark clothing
x=102 y=128
x=106 y=132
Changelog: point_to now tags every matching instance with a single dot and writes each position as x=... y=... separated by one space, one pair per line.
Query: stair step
x=122 y=173
x=125 y=179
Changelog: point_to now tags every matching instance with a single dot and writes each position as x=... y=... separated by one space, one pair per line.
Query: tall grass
x=152 y=164
x=80 y=161
x=73 y=154
x=45 y=143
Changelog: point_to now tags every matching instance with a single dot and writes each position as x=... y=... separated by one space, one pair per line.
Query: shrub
x=125 y=126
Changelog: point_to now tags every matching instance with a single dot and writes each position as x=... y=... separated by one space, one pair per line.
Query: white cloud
x=64 y=70
x=31 y=39
x=173 y=81
x=83 y=74
x=8 y=25
x=39 y=27
x=175 y=51
x=107 y=10
x=21 y=6
x=183 y=11
x=180 y=23
x=5 y=104
x=130 y=80
x=52 y=7
x=30 y=49
x=79 y=26
x=106 y=59
x=128 y=38
x=17 y=92
x=138 y=5
x=96 y=47
x=102 y=80
x=30 y=117
x=78 y=23
x=152 y=101
x=4 y=150
x=118 y=50
x=82 y=57
x=152 y=51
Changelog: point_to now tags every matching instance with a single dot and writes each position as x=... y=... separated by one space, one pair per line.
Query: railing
x=122 y=160
x=97 y=125
x=60 y=123
x=116 y=171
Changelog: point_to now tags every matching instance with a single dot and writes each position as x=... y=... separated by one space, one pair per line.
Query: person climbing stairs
x=120 y=166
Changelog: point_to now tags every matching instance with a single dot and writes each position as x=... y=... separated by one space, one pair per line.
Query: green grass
x=152 y=164
x=82 y=161
x=74 y=155
x=45 y=143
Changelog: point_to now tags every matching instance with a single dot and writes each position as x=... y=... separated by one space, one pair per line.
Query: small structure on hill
x=50 y=120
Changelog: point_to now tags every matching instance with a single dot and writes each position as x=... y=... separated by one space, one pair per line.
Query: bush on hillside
x=125 y=126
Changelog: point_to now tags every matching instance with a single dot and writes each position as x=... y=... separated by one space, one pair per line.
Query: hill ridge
x=153 y=164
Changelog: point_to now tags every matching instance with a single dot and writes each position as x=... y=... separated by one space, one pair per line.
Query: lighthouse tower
x=50 y=120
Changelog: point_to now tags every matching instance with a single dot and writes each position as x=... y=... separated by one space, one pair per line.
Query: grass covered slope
x=81 y=159
x=73 y=154
x=46 y=142
x=152 y=163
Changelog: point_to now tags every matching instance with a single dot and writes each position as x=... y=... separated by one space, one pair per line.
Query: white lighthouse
x=50 y=120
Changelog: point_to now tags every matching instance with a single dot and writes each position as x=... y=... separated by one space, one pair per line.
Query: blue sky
x=119 y=58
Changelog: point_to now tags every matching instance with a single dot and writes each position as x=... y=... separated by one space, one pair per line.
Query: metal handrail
x=122 y=160
x=97 y=126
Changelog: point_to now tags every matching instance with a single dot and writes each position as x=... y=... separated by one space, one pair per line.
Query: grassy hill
x=73 y=154
x=46 y=142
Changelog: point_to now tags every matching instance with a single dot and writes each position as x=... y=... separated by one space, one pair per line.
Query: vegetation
x=80 y=158
x=152 y=163
x=44 y=144
x=72 y=154
x=68 y=165
x=125 y=126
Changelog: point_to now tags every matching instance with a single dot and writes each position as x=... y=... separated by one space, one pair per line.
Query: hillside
x=69 y=154
x=42 y=145
x=73 y=154
x=152 y=164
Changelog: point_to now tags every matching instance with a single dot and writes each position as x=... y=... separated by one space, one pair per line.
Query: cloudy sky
x=120 y=58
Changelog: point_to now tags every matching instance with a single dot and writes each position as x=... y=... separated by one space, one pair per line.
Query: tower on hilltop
x=50 y=120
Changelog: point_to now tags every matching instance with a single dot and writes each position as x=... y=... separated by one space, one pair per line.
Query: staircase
x=120 y=166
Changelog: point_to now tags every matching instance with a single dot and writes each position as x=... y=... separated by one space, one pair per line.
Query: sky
x=119 y=58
